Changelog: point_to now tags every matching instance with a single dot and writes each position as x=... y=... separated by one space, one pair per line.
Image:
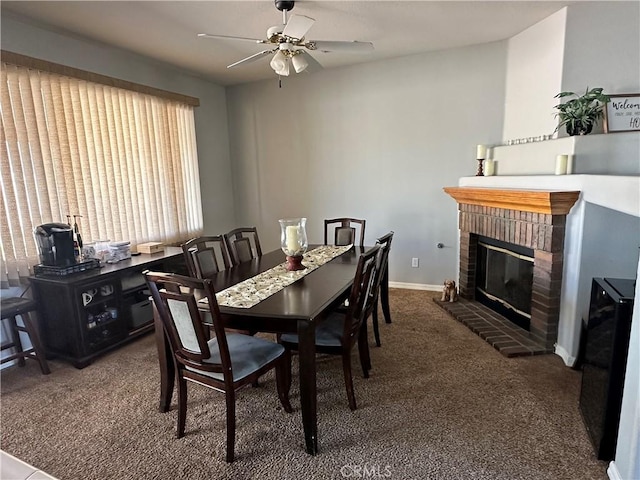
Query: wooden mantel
x=537 y=201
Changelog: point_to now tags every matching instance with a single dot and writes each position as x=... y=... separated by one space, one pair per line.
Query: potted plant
x=581 y=113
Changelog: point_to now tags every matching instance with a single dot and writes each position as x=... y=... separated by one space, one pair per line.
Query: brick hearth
x=502 y=334
x=532 y=219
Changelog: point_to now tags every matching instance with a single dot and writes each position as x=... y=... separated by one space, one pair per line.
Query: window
x=125 y=161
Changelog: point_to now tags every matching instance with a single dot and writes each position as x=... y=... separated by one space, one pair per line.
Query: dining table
x=297 y=308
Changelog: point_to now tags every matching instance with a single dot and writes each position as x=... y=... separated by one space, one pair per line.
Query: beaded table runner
x=252 y=291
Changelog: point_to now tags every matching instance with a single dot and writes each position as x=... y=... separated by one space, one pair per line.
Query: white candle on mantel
x=561 y=164
x=481 y=152
x=293 y=245
x=569 y=164
x=488 y=167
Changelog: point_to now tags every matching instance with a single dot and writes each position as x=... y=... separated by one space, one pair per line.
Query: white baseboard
x=569 y=360
x=415 y=286
x=613 y=472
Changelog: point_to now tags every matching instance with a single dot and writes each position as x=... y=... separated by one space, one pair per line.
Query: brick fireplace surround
x=530 y=218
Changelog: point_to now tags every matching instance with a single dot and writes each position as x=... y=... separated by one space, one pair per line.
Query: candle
x=293 y=244
x=489 y=167
x=481 y=151
x=570 y=165
x=561 y=164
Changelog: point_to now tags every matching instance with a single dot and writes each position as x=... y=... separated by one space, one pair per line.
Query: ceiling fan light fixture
x=273 y=32
x=300 y=63
x=286 y=44
x=280 y=64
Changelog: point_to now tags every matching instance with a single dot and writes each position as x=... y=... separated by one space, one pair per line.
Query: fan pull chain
x=279 y=81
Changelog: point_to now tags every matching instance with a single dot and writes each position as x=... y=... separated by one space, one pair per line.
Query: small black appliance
x=55 y=244
x=605 y=361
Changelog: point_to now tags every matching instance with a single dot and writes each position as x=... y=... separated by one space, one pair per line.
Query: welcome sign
x=623 y=113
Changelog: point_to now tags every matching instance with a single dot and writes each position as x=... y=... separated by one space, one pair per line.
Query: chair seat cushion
x=328 y=333
x=247 y=353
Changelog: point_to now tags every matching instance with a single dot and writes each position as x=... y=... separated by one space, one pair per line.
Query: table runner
x=252 y=291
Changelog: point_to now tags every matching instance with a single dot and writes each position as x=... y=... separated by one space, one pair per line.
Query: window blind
x=125 y=161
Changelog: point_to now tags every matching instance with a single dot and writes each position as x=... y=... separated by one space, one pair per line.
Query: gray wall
x=210 y=116
x=601 y=47
x=375 y=141
x=612 y=245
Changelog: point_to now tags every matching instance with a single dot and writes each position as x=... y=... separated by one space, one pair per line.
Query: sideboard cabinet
x=86 y=314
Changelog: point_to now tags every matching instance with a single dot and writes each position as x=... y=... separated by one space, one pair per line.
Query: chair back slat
x=344 y=230
x=185 y=328
x=243 y=244
x=206 y=264
x=242 y=249
x=345 y=236
x=360 y=299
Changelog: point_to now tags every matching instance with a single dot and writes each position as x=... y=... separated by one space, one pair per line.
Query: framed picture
x=622 y=113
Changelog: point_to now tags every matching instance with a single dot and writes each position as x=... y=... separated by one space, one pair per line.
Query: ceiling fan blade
x=298 y=26
x=227 y=37
x=314 y=65
x=336 y=46
x=252 y=58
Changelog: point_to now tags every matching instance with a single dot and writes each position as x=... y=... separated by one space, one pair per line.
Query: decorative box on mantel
x=534 y=219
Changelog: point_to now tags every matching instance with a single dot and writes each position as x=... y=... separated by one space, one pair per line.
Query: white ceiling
x=166 y=30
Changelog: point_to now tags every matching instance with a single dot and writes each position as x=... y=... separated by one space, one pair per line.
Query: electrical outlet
x=414 y=262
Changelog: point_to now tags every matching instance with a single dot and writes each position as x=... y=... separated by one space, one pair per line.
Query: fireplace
x=524 y=230
x=504 y=279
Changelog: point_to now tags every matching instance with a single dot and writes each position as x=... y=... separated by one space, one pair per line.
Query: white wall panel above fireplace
x=606 y=154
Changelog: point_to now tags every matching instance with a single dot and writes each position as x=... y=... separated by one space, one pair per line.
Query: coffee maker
x=55 y=244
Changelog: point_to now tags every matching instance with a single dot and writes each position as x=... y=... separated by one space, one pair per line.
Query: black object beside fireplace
x=605 y=361
x=504 y=279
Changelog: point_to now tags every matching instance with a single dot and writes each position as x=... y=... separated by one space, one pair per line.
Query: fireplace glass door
x=504 y=279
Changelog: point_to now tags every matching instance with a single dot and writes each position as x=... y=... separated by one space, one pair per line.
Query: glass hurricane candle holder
x=293 y=241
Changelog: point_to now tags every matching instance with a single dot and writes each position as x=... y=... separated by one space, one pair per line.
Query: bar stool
x=11 y=307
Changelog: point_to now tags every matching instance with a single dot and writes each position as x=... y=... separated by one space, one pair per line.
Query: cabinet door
x=99 y=314
x=59 y=327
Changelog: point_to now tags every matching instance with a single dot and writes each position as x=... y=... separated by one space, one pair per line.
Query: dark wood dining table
x=298 y=308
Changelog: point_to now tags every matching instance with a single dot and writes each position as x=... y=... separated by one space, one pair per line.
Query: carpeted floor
x=440 y=404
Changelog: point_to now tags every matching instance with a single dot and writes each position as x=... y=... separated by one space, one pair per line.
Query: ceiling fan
x=289 y=46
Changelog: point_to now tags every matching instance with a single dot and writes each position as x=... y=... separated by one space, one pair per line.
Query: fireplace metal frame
x=492 y=299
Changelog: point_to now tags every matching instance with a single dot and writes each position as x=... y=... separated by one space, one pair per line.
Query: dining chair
x=341 y=331
x=381 y=284
x=206 y=256
x=225 y=363
x=243 y=244
x=10 y=308
x=344 y=230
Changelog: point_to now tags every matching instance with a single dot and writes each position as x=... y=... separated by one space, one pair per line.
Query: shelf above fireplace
x=537 y=201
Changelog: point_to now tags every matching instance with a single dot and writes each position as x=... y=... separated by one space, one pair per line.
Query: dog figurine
x=449 y=291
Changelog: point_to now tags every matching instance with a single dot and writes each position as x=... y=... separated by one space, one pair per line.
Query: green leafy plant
x=581 y=113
